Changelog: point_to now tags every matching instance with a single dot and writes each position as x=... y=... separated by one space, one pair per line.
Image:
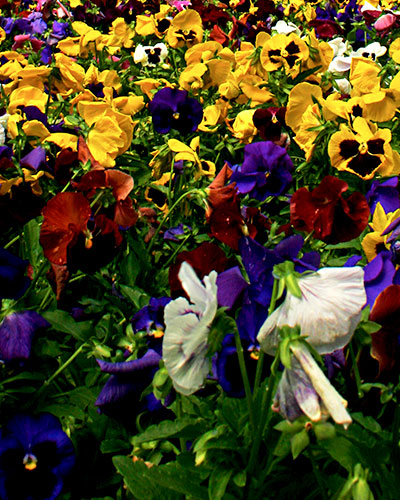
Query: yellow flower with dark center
x=191 y=153
x=186 y=29
x=374 y=242
x=364 y=150
x=284 y=50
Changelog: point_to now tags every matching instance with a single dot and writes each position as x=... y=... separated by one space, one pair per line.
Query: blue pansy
x=173 y=109
x=16 y=334
x=36 y=456
x=264 y=172
x=13 y=282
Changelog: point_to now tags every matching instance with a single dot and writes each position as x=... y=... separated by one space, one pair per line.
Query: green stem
x=166 y=216
x=64 y=365
x=395 y=444
x=265 y=416
x=260 y=360
x=11 y=242
x=246 y=383
x=179 y=414
x=356 y=370
x=317 y=474
x=177 y=250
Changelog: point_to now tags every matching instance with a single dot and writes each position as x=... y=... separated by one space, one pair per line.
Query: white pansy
x=372 y=51
x=332 y=401
x=186 y=330
x=340 y=64
x=284 y=28
x=343 y=85
x=327 y=313
x=150 y=55
x=3 y=128
x=340 y=47
x=368 y=6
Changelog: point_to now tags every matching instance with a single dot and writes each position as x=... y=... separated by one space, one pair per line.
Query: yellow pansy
x=363 y=150
x=23 y=95
x=364 y=76
x=213 y=115
x=305 y=132
x=110 y=134
x=374 y=241
x=243 y=127
x=29 y=177
x=155 y=24
x=394 y=50
x=186 y=29
x=321 y=54
x=121 y=34
x=284 y=50
x=72 y=74
x=254 y=88
x=191 y=153
x=301 y=96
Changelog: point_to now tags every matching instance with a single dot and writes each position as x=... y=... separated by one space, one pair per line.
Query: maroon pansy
x=327 y=214
x=269 y=122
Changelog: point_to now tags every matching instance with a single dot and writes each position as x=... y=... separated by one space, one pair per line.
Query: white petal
x=332 y=400
x=327 y=313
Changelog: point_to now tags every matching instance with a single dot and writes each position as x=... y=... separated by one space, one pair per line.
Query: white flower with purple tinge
x=186 y=331
x=327 y=313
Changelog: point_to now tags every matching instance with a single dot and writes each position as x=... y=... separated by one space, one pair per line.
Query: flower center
x=30 y=461
x=363 y=148
x=284 y=53
x=175 y=115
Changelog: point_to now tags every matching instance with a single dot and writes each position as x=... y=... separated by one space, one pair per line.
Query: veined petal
x=327 y=313
x=332 y=400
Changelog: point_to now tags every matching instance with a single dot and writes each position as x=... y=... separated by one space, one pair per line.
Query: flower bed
x=199 y=249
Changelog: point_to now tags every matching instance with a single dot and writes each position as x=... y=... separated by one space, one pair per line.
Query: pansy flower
x=265 y=171
x=377 y=240
x=16 y=333
x=36 y=457
x=121 y=395
x=186 y=29
x=150 y=55
x=363 y=150
x=325 y=212
x=185 y=341
x=284 y=50
x=65 y=218
x=13 y=282
x=173 y=109
x=269 y=122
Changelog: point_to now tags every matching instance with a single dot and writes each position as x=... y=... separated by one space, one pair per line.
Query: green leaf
x=63 y=322
x=145 y=483
x=138 y=298
x=114 y=445
x=299 y=442
x=367 y=422
x=187 y=428
x=343 y=451
x=219 y=480
x=32 y=248
x=370 y=327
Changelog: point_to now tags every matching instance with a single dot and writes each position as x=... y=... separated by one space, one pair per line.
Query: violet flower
x=16 y=333
x=13 y=282
x=36 y=456
x=264 y=172
x=173 y=109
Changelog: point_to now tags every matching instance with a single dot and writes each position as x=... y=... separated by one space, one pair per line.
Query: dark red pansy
x=327 y=214
x=205 y=258
x=385 y=342
x=121 y=184
x=269 y=122
x=227 y=224
x=326 y=28
x=65 y=218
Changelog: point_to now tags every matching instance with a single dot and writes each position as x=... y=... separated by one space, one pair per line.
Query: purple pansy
x=264 y=172
x=151 y=317
x=259 y=263
x=16 y=334
x=173 y=109
x=121 y=395
x=34 y=159
x=378 y=274
x=386 y=193
x=36 y=456
x=13 y=282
